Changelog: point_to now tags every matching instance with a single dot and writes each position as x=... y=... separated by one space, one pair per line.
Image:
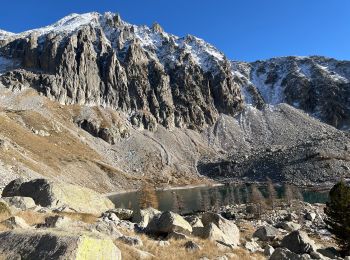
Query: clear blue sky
x=243 y=29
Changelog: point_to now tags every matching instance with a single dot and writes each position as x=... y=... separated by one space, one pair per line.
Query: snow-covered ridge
x=204 y=54
x=267 y=76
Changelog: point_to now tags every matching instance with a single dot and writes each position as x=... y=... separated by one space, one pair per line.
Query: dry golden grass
x=176 y=250
x=247 y=229
x=33 y=218
x=83 y=217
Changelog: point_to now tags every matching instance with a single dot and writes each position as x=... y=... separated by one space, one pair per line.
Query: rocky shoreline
x=76 y=222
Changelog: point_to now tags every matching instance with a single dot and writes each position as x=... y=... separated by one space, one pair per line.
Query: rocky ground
x=41 y=219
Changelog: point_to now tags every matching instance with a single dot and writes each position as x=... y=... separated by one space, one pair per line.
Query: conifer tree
x=257 y=198
x=271 y=193
x=148 y=197
x=338 y=215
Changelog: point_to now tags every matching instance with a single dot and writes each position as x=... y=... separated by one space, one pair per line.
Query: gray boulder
x=56 y=245
x=23 y=203
x=132 y=241
x=144 y=216
x=15 y=223
x=194 y=221
x=253 y=246
x=268 y=250
x=169 y=222
x=310 y=216
x=192 y=246
x=55 y=194
x=299 y=242
x=288 y=226
x=123 y=214
x=213 y=233
x=284 y=254
x=227 y=227
x=266 y=233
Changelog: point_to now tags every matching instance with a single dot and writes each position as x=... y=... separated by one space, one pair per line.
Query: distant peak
x=157 y=28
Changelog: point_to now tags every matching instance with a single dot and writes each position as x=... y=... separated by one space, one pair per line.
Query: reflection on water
x=204 y=198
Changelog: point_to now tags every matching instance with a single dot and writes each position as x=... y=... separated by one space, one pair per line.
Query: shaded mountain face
x=105 y=104
x=317 y=85
x=95 y=59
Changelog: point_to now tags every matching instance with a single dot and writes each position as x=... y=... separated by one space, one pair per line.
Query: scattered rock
x=132 y=241
x=110 y=216
x=108 y=229
x=194 y=221
x=298 y=242
x=58 y=222
x=266 y=233
x=284 y=254
x=144 y=216
x=192 y=246
x=310 y=216
x=123 y=214
x=252 y=246
x=268 y=251
x=163 y=243
x=176 y=236
x=288 y=226
x=15 y=222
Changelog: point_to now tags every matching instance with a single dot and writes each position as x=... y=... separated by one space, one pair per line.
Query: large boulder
x=56 y=245
x=266 y=233
x=56 y=194
x=288 y=226
x=169 y=222
x=144 y=216
x=122 y=214
x=284 y=254
x=299 y=242
x=15 y=222
x=228 y=227
x=22 y=203
x=213 y=233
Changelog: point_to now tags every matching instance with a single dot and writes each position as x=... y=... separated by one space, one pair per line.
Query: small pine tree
x=272 y=194
x=148 y=197
x=258 y=199
x=288 y=194
x=338 y=215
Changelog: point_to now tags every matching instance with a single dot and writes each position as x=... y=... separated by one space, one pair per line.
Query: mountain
x=99 y=102
x=320 y=86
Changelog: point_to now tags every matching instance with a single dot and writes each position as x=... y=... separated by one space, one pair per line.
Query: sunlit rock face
x=95 y=59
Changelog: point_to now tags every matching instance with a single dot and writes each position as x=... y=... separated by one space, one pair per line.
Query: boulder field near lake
x=93 y=105
x=85 y=225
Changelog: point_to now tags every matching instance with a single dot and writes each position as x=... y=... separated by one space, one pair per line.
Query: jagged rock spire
x=157 y=28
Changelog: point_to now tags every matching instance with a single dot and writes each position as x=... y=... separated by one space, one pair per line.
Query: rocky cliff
x=95 y=59
x=105 y=104
x=318 y=85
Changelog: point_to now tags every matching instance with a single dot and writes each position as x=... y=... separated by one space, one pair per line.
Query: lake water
x=189 y=200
